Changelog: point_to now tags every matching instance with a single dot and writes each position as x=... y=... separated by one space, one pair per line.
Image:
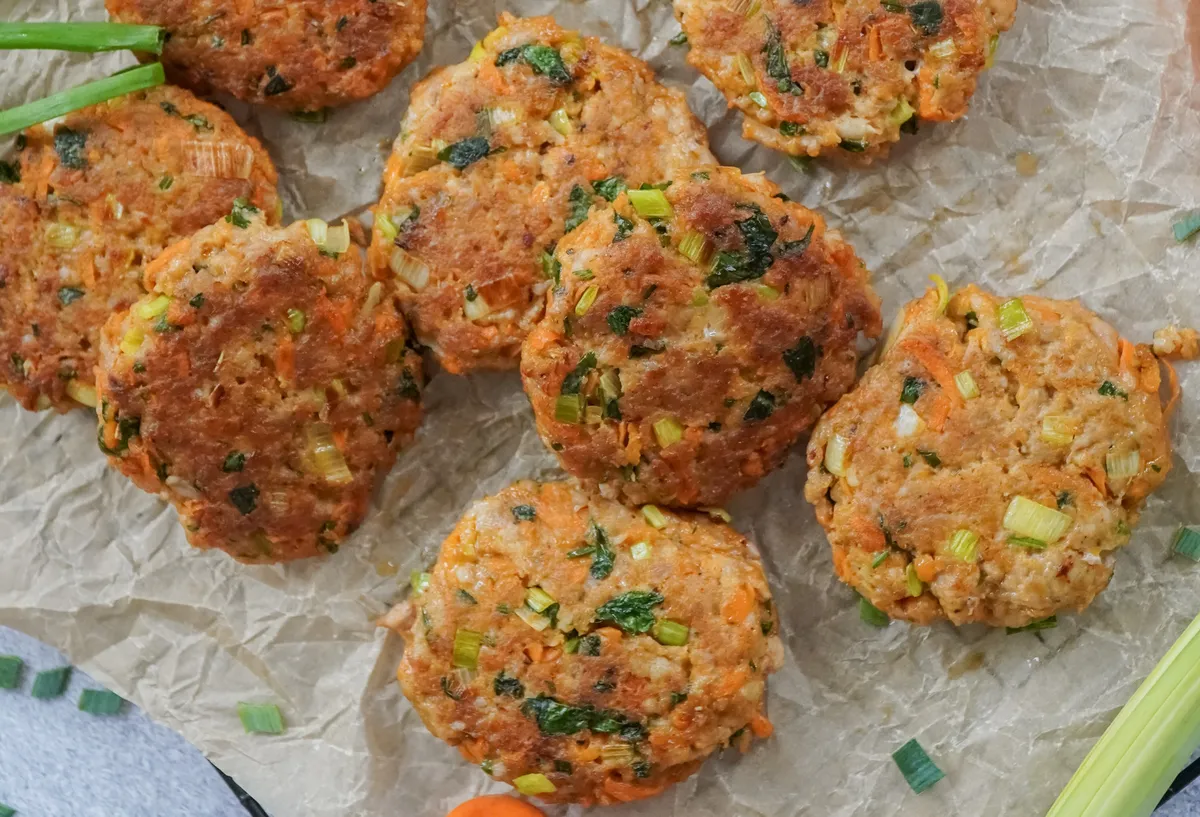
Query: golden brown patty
x=261 y=386
x=593 y=648
x=85 y=203
x=497 y=158
x=682 y=356
x=302 y=55
x=927 y=487
x=818 y=75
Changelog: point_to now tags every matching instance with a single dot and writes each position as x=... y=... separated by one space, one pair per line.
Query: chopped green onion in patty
x=1187 y=543
x=963 y=545
x=82 y=37
x=533 y=784
x=467 y=644
x=1014 y=320
x=1029 y=519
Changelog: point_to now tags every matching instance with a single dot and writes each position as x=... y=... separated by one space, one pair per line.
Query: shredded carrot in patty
x=761 y=727
x=739 y=605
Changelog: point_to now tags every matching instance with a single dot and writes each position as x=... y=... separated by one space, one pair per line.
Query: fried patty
x=262 y=385
x=300 y=55
x=566 y=636
x=1001 y=495
x=85 y=203
x=499 y=157
x=848 y=77
x=681 y=356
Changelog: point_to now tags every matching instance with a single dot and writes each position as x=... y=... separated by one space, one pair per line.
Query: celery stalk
x=1130 y=768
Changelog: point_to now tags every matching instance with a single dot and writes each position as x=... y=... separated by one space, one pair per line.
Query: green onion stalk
x=1144 y=749
x=91 y=93
x=84 y=37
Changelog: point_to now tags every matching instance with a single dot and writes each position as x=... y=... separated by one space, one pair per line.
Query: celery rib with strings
x=88 y=38
x=92 y=93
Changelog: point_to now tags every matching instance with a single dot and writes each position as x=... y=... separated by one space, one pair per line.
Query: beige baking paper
x=1081 y=149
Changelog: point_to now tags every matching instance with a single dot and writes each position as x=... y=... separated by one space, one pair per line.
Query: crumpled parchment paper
x=1081 y=148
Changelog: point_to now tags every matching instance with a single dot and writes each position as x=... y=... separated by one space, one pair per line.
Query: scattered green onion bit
x=82 y=37
x=7 y=811
x=1014 y=320
x=1048 y=623
x=1187 y=543
x=871 y=614
x=920 y=772
x=669 y=633
x=1031 y=520
x=650 y=203
x=10 y=671
x=261 y=719
x=835 y=455
x=654 y=516
x=466 y=648
x=963 y=545
x=100 y=702
x=1187 y=226
x=51 y=684
x=532 y=784
x=64 y=102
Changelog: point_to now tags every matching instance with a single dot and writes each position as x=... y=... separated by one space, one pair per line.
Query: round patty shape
x=500 y=156
x=820 y=75
x=260 y=386
x=999 y=495
x=301 y=55
x=682 y=356
x=84 y=203
x=565 y=636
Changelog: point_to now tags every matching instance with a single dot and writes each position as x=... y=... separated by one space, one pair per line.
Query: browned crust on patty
x=842 y=77
x=129 y=177
x=709 y=579
x=713 y=359
x=905 y=490
x=253 y=363
x=300 y=55
x=485 y=225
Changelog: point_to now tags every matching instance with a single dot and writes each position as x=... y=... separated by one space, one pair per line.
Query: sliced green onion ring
x=467 y=644
x=650 y=203
x=963 y=545
x=1032 y=520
